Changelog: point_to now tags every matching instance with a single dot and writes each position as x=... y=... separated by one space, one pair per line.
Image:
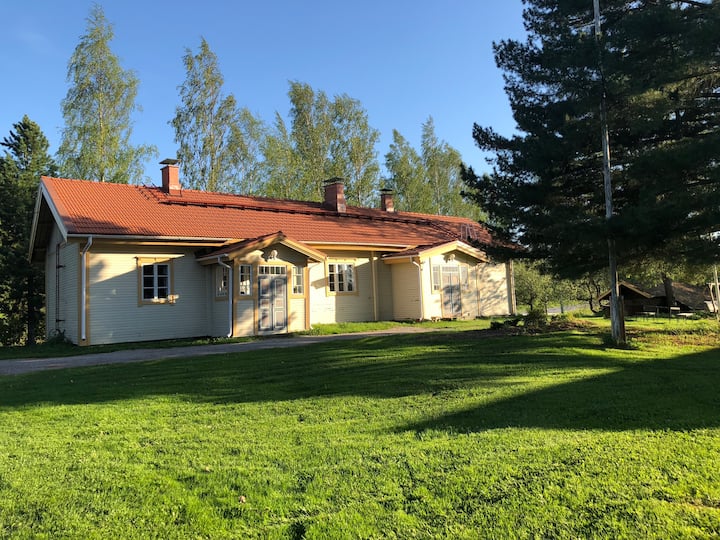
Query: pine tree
x=97 y=109
x=660 y=74
x=21 y=284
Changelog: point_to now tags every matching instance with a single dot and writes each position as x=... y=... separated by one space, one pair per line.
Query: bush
x=536 y=318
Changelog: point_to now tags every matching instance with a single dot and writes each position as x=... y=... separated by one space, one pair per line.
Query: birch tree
x=97 y=109
x=219 y=142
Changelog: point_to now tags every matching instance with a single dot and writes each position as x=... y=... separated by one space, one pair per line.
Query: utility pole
x=617 y=317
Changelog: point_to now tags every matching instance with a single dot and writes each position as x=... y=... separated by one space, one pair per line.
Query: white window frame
x=341 y=277
x=161 y=293
x=298 y=280
x=222 y=281
x=245 y=283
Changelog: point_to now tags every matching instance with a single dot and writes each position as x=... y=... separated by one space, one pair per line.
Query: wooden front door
x=451 y=300
x=272 y=299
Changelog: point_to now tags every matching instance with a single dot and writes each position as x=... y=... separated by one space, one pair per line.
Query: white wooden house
x=132 y=263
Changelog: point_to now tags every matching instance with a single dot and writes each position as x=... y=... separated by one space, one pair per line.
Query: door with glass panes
x=272 y=299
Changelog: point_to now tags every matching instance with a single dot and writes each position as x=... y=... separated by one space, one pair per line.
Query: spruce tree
x=660 y=76
x=21 y=283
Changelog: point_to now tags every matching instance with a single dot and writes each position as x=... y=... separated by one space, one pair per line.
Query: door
x=272 y=299
x=451 y=301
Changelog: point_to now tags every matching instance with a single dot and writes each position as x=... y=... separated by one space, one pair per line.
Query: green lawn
x=59 y=348
x=438 y=435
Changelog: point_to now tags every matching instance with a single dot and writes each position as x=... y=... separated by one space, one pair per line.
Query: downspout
x=83 y=286
x=420 y=290
x=230 y=295
x=373 y=262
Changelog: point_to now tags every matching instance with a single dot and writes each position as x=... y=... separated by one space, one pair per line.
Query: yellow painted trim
x=291 y=281
x=357 y=247
x=236 y=280
x=280 y=239
x=373 y=260
x=110 y=242
x=307 y=298
x=455 y=245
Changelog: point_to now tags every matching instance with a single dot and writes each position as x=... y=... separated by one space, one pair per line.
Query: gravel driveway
x=27 y=365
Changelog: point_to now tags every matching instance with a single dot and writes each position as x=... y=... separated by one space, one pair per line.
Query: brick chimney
x=335 y=194
x=386 y=200
x=170 y=176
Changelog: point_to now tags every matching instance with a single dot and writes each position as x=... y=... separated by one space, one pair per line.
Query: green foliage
x=21 y=283
x=326 y=139
x=429 y=181
x=535 y=319
x=660 y=78
x=97 y=109
x=432 y=436
x=533 y=288
x=218 y=141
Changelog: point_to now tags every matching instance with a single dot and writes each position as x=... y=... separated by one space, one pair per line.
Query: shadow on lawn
x=680 y=393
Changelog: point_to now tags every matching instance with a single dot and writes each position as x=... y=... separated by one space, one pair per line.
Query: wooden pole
x=617 y=317
x=716 y=296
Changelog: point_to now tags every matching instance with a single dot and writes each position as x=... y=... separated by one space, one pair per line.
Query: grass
x=59 y=348
x=437 y=435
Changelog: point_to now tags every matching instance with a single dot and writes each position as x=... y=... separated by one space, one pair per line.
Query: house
x=131 y=263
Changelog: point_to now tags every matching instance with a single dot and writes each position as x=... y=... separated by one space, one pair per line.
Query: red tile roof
x=95 y=208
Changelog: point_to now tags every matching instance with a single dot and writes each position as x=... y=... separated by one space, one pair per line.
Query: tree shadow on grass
x=675 y=394
x=679 y=393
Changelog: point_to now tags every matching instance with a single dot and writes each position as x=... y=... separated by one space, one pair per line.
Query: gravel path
x=27 y=365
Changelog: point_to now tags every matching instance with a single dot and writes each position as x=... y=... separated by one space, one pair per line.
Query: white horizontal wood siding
x=115 y=313
x=485 y=294
x=494 y=296
x=219 y=318
x=245 y=317
x=384 y=291
x=296 y=318
x=62 y=266
x=327 y=307
x=405 y=291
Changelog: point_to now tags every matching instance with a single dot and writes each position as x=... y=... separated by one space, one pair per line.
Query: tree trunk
x=669 y=292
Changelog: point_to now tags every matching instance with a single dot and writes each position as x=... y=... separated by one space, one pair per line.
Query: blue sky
x=404 y=60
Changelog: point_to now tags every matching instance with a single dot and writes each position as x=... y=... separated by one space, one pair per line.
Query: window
x=436 y=283
x=464 y=283
x=245 y=279
x=298 y=280
x=341 y=277
x=222 y=279
x=155 y=281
